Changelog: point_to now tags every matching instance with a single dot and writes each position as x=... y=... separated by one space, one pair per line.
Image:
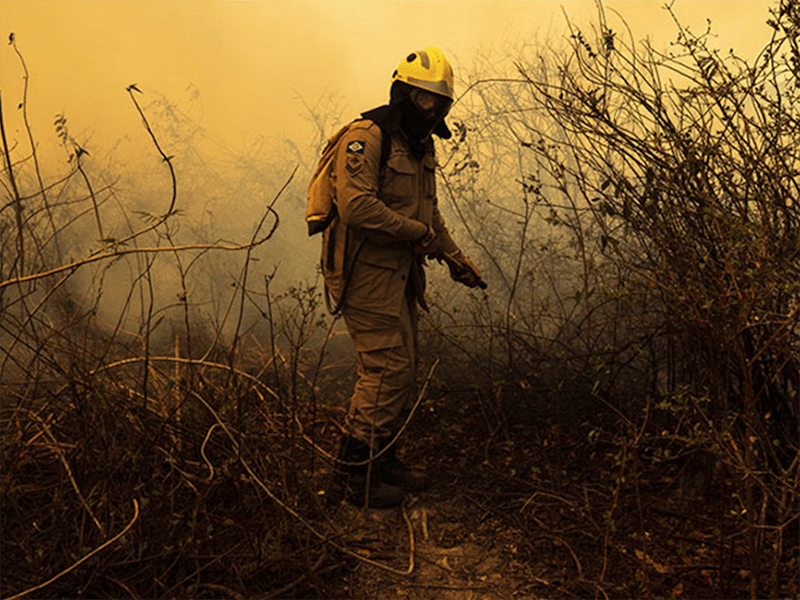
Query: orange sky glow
x=247 y=67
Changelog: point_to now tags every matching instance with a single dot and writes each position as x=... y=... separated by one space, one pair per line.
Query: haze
x=246 y=68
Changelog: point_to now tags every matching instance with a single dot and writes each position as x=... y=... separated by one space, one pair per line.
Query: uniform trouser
x=386 y=347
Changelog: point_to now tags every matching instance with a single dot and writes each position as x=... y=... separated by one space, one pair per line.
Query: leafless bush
x=157 y=401
x=637 y=214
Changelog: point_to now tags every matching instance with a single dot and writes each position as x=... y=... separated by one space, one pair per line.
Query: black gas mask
x=421 y=114
x=423 y=111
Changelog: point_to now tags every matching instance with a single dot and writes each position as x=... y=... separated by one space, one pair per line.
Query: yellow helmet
x=427 y=69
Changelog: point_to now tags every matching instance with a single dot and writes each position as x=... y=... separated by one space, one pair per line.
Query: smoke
x=239 y=95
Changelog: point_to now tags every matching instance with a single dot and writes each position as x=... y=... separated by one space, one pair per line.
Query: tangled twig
x=57 y=449
x=265 y=488
x=85 y=557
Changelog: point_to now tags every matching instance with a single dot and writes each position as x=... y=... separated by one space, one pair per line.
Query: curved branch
x=167 y=159
x=85 y=557
x=74 y=266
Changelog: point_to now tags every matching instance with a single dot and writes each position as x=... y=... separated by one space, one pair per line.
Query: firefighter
x=387 y=224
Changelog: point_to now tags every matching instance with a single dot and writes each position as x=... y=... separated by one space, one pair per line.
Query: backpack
x=321 y=210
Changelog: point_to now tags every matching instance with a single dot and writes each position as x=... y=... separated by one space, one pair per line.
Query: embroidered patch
x=354 y=165
x=356 y=147
x=355 y=157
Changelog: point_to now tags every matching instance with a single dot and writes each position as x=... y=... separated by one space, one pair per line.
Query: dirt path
x=457 y=554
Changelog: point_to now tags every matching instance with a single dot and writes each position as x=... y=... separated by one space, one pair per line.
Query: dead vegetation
x=616 y=418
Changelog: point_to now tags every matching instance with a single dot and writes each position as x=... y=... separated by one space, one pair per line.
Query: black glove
x=463 y=271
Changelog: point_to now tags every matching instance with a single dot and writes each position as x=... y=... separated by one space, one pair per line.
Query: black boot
x=352 y=479
x=397 y=473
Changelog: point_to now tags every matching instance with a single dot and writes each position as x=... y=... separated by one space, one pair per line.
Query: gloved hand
x=430 y=245
x=462 y=270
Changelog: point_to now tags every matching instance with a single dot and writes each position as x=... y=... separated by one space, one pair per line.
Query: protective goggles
x=432 y=106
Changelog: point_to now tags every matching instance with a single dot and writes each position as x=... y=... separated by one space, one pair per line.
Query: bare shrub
x=637 y=214
x=149 y=430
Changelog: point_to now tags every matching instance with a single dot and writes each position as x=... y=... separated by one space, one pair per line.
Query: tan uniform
x=369 y=253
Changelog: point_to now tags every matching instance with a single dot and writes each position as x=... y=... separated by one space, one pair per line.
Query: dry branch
x=84 y=558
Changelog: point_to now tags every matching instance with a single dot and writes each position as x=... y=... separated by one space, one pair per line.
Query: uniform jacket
x=369 y=249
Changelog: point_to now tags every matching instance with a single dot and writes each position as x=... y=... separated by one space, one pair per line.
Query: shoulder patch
x=356 y=147
x=354 y=156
